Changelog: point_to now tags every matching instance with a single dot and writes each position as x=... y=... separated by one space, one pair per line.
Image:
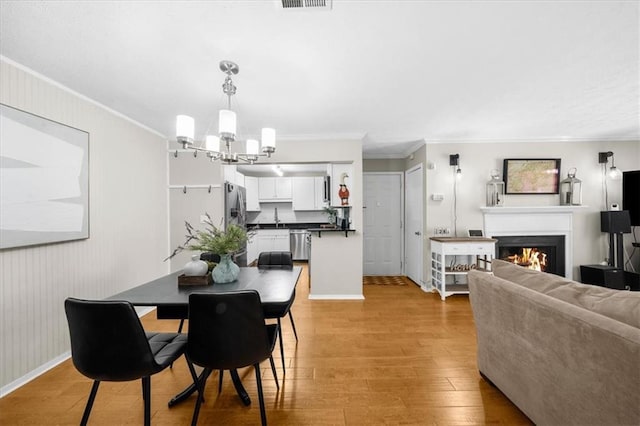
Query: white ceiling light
x=226 y=130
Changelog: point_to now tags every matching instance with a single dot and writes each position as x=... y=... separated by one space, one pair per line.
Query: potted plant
x=332 y=213
x=212 y=239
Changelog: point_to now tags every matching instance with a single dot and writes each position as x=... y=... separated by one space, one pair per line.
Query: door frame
x=402 y=213
x=420 y=167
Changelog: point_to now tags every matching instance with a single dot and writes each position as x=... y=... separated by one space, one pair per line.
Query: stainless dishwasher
x=300 y=244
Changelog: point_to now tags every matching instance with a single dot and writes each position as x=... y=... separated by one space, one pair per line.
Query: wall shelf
x=321 y=230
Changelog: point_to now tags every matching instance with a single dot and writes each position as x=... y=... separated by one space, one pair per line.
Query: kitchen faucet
x=275 y=216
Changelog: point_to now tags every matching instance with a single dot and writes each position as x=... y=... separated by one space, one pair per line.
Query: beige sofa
x=565 y=353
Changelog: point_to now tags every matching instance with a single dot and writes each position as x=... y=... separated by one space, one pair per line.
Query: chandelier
x=226 y=130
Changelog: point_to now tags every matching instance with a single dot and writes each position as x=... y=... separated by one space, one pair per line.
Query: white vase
x=196 y=268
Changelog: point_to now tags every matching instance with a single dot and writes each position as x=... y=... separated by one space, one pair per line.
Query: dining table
x=276 y=288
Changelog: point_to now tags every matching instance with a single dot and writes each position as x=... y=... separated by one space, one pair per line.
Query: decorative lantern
x=495 y=190
x=571 y=189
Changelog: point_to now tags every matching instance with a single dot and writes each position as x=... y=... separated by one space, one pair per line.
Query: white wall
x=336 y=261
x=189 y=170
x=127 y=236
x=476 y=161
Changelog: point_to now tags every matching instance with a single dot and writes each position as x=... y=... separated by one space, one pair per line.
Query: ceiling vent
x=306 y=4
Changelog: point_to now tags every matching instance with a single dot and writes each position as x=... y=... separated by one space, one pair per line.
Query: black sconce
x=454 y=160
x=603 y=158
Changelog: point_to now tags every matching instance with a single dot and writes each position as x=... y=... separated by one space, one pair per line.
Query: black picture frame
x=531 y=175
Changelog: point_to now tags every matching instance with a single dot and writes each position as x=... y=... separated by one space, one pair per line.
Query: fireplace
x=540 y=221
x=544 y=253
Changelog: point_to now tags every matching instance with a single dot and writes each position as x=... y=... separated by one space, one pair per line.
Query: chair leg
x=293 y=325
x=194 y=376
x=220 y=375
x=281 y=345
x=146 y=398
x=92 y=397
x=263 y=413
x=273 y=369
x=196 y=411
x=180 y=331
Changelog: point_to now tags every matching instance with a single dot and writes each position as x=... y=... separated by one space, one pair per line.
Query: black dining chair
x=227 y=331
x=109 y=344
x=279 y=260
x=207 y=257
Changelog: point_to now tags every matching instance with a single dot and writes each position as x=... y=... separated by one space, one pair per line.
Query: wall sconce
x=614 y=172
x=454 y=160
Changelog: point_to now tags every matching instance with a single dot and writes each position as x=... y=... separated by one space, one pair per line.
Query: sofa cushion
x=620 y=305
x=535 y=280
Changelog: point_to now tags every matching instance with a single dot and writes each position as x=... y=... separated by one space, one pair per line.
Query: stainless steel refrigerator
x=235 y=212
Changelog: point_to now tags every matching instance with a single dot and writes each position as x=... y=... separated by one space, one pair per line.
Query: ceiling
x=394 y=74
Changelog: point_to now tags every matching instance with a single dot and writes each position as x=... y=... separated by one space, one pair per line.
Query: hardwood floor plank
x=399 y=357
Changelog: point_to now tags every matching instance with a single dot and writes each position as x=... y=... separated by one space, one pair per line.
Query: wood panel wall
x=128 y=227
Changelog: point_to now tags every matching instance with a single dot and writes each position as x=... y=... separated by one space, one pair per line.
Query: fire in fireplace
x=529 y=257
x=540 y=252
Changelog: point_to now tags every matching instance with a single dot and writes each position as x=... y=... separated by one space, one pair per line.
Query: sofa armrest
x=559 y=363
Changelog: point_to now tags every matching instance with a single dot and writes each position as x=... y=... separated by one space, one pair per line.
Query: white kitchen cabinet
x=452 y=258
x=275 y=188
x=318 y=183
x=253 y=198
x=308 y=193
x=303 y=193
x=273 y=240
x=239 y=179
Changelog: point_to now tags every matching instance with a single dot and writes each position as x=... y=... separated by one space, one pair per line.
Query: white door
x=413 y=229
x=382 y=224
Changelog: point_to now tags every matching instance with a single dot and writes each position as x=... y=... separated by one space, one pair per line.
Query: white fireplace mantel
x=538 y=220
x=531 y=209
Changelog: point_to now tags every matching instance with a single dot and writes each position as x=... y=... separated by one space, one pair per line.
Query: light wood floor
x=401 y=356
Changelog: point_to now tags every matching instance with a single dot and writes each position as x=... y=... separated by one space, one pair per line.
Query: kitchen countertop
x=298 y=225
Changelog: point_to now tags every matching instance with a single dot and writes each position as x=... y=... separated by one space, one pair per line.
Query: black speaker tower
x=615 y=223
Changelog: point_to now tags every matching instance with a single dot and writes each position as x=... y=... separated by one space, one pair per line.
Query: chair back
x=108 y=342
x=227 y=330
x=275 y=260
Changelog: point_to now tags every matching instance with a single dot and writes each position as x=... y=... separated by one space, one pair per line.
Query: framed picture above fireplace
x=531 y=175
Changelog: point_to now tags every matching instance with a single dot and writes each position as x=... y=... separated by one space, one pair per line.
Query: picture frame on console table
x=531 y=175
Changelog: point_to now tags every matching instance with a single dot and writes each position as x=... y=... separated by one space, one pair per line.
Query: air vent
x=306 y=4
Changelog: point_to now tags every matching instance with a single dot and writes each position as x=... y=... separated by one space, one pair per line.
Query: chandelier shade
x=185 y=126
x=227 y=122
x=268 y=139
x=227 y=130
x=212 y=143
x=252 y=147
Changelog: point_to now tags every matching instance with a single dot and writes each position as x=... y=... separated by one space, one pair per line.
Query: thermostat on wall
x=475 y=232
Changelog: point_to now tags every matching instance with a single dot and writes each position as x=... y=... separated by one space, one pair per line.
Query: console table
x=452 y=258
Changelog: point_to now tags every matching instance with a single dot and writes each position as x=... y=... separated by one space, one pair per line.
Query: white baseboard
x=10 y=387
x=7 y=389
x=336 y=297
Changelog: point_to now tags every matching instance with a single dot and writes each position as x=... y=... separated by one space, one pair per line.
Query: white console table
x=452 y=258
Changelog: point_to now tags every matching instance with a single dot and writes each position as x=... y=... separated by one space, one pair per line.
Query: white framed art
x=44 y=180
